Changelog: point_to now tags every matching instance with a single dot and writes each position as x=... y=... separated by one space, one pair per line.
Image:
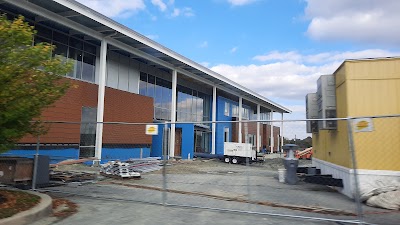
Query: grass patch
x=13 y=202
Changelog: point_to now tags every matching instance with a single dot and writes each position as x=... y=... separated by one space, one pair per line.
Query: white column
x=214 y=118
x=240 y=120
x=173 y=114
x=100 y=99
x=258 y=127
x=282 y=132
x=272 y=131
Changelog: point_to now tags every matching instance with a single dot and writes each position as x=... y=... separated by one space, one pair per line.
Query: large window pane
x=88 y=67
x=151 y=86
x=89 y=48
x=60 y=50
x=60 y=37
x=143 y=84
x=75 y=43
x=44 y=32
x=76 y=56
x=158 y=96
x=167 y=98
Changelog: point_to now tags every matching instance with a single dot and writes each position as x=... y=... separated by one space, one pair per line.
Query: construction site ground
x=199 y=189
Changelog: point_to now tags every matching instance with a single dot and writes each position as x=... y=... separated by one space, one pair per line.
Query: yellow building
x=364 y=88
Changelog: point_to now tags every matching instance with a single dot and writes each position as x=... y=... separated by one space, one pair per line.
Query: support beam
x=102 y=29
x=214 y=119
x=272 y=132
x=66 y=14
x=240 y=120
x=100 y=99
x=173 y=114
x=258 y=128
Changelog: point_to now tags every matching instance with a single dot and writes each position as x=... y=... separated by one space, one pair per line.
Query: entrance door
x=178 y=142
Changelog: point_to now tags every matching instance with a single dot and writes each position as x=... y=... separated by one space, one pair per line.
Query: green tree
x=30 y=80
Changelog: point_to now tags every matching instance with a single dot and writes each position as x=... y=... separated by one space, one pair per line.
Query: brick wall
x=265 y=131
x=120 y=106
x=266 y=134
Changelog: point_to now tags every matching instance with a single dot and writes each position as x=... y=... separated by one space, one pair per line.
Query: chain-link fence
x=344 y=170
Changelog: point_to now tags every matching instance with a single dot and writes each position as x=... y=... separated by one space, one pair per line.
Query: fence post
x=35 y=163
x=164 y=169
x=355 y=172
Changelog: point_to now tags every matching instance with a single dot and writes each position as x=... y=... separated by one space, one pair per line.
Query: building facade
x=120 y=75
x=363 y=88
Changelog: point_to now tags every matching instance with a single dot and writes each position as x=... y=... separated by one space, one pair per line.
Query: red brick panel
x=121 y=106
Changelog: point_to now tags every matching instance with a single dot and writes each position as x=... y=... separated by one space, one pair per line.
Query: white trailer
x=238 y=152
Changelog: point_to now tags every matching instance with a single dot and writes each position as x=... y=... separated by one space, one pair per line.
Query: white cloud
x=240 y=2
x=284 y=80
x=152 y=36
x=368 y=21
x=125 y=8
x=276 y=55
x=115 y=8
x=205 y=64
x=160 y=4
x=323 y=57
x=188 y=12
x=204 y=44
x=290 y=75
x=234 y=49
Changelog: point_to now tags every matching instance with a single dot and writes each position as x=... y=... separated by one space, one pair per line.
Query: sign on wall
x=363 y=125
x=151 y=129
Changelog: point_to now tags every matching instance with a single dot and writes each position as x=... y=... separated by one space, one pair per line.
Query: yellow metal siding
x=379 y=149
x=365 y=88
x=373 y=97
x=379 y=69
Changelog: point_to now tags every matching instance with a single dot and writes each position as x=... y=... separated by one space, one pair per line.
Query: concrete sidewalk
x=42 y=210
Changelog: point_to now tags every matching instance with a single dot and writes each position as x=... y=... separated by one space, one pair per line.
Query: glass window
x=60 y=50
x=143 y=84
x=158 y=96
x=89 y=48
x=60 y=37
x=75 y=43
x=167 y=98
x=88 y=67
x=150 y=86
x=235 y=111
x=226 y=111
x=76 y=57
x=88 y=132
x=44 y=32
x=39 y=39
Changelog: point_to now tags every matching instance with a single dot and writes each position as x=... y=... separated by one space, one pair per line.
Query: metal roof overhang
x=92 y=25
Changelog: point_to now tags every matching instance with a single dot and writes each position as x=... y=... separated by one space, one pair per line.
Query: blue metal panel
x=156 y=147
x=187 y=140
x=219 y=142
x=123 y=153
x=56 y=155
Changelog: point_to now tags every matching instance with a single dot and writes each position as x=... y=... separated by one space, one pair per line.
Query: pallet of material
x=71 y=176
x=119 y=177
x=118 y=169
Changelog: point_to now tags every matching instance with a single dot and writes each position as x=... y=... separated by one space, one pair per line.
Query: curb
x=42 y=209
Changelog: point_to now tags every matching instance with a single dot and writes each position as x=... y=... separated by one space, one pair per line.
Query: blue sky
x=277 y=48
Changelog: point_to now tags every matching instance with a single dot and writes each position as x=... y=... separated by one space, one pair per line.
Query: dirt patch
x=13 y=202
x=63 y=208
x=201 y=166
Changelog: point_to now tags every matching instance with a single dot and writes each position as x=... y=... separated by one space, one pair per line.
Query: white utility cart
x=238 y=152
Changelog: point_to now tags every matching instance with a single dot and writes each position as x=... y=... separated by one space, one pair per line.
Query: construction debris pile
x=131 y=168
x=71 y=176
